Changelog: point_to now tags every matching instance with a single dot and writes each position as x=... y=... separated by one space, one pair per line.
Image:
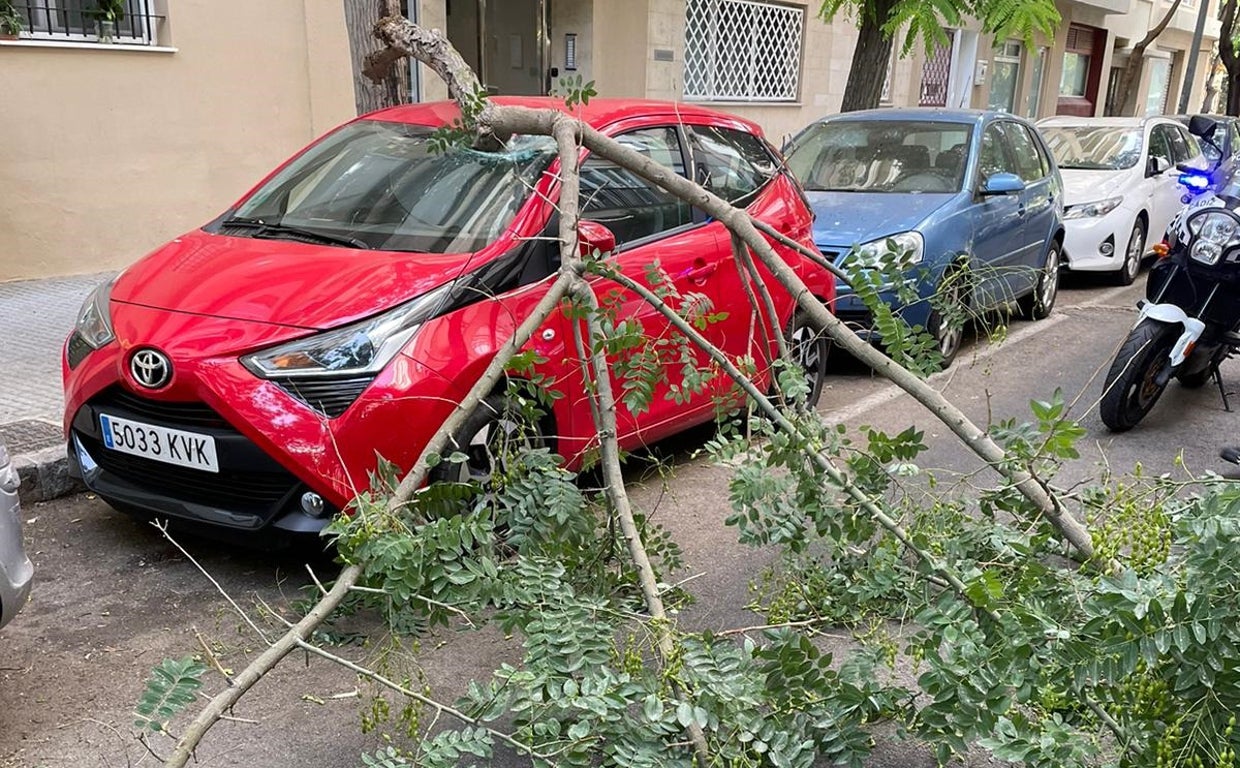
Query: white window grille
x=742 y=50
x=77 y=21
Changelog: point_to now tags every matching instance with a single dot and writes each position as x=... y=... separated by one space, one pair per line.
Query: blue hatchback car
x=952 y=189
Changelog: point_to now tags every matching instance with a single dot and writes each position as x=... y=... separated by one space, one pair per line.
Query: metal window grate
x=77 y=21
x=936 y=74
x=742 y=50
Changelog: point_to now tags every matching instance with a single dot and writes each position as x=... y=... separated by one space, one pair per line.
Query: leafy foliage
x=924 y=20
x=171 y=687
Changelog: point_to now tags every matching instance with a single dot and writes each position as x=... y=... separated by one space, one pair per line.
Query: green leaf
x=171 y=687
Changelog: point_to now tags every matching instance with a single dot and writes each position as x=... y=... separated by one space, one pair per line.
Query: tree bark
x=1207 y=104
x=871 y=58
x=1132 y=70
x=1227 y=52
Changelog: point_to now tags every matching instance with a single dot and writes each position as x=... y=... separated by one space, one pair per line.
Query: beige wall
x=107 y=153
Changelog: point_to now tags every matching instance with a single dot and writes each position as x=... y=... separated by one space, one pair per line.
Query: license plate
x=171 y=446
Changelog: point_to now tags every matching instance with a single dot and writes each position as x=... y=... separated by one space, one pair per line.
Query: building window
x=742 y=50
x=1005 y=77
x=1075 y=74
x=79 y=21
x=1159 y=86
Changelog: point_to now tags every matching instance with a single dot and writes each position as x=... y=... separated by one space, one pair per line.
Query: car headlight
x=354 y=350
x=94 y=320
x=1214 y=233
x=1092 y=210
x=904 y=249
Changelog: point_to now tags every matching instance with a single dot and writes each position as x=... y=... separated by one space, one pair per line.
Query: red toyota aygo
x=243 y=378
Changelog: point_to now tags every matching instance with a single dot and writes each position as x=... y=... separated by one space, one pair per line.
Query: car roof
x=1116 y=122
x=598 y=112
x=928 y=114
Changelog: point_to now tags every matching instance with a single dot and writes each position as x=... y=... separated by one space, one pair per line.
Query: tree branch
x=506 y=120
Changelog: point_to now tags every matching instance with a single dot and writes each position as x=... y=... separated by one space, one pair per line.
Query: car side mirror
x=592 y=236
x=1157 y=165
x=1002 y=184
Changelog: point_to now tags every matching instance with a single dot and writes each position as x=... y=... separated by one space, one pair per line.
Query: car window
x=631 y=207
x=1235 y=139
x=732 y=164
x=897 y=156
x=384 y=185
x=1094 y=147
x=1024 y=153
x=1182 y=147
x=994 y=157
x=1160 y=143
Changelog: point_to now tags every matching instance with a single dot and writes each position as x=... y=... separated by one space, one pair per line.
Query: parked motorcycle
x=1188 y=321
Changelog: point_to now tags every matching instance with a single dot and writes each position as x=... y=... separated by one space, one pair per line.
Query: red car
x=246 y=374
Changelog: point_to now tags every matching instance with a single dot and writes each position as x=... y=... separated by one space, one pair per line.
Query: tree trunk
x=1128 y=79
x=1227 y=53
x=870 y=60
x=1207 y=105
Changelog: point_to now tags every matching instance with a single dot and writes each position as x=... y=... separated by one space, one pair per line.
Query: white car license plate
x=171 y=446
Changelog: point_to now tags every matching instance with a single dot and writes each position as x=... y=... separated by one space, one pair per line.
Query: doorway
x=504 y=41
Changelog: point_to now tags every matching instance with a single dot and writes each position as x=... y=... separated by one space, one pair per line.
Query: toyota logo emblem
x=150 y=368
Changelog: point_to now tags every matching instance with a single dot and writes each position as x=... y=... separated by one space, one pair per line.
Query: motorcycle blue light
x=1195 y=182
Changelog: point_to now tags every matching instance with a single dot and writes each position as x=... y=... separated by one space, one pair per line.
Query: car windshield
x=1093 y=147
x=380 y=185
x=908 y=156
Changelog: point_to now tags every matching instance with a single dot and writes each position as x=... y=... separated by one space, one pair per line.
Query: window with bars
x=742 y=50
x=82 y=21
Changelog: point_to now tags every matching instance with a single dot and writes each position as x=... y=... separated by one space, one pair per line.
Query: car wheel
x=491 y=437
x=948 y=330
x=1132 y=256
x=810 y=348
x=1039 y=303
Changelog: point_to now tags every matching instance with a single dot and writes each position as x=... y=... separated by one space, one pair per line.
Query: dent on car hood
x=1089 y=186
x=281 y=282
x=848 y=218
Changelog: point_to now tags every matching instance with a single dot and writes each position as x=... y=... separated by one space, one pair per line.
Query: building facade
x=117 y=139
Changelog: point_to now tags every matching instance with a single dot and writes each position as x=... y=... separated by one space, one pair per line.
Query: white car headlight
x=354 y=350
x=94 y=320
x=1214 y=232
x=1092 y=210
x=904 y=249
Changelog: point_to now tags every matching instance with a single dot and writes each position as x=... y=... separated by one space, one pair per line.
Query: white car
x=1121 y=186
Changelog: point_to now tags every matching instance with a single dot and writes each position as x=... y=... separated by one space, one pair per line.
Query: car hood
x=281 y=282
x=848 y=218
x=1088 y=186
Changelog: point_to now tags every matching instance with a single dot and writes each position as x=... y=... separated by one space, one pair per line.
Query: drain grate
x=27 y=436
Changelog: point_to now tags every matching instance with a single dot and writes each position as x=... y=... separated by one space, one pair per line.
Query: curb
x=45 y=475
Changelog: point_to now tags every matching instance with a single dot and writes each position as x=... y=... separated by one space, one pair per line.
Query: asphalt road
x=113 y=598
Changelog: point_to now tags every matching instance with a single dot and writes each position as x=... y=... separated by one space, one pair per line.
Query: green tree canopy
x=879 y=21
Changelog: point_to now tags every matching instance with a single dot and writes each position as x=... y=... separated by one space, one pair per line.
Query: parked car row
x=242 y=378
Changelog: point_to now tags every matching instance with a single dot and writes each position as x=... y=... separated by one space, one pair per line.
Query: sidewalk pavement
x=36 y=317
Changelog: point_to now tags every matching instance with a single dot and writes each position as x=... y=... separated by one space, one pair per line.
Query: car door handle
x=700 y=270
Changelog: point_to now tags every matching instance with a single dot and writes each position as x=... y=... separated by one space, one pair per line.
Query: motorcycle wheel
x=1131 y=391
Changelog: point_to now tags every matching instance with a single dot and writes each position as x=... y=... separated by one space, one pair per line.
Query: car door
x=1165 y=190
x=1037 y=204
x=997 y=221
x=736 y=165
x=661 y=244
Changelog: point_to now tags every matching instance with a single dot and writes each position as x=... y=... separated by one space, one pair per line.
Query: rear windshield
x=380 y=183
x=910 y=156
x=1093 y=148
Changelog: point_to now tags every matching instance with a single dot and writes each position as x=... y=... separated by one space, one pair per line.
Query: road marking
x=890 y=391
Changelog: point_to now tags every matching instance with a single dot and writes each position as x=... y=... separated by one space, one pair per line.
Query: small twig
x=163 y=528
x=784 y=625
x=212 y=659
x=246 y=720
x=317 y=583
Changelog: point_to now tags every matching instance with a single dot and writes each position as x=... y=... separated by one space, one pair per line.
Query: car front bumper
x=273 y=448
x=16 y=570
x=1084 y=240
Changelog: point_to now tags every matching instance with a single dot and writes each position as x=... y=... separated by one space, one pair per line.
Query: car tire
x=810 y=347
x=949 y=338
x=1037 y=305
x=485 y=438
x=1133 y=255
